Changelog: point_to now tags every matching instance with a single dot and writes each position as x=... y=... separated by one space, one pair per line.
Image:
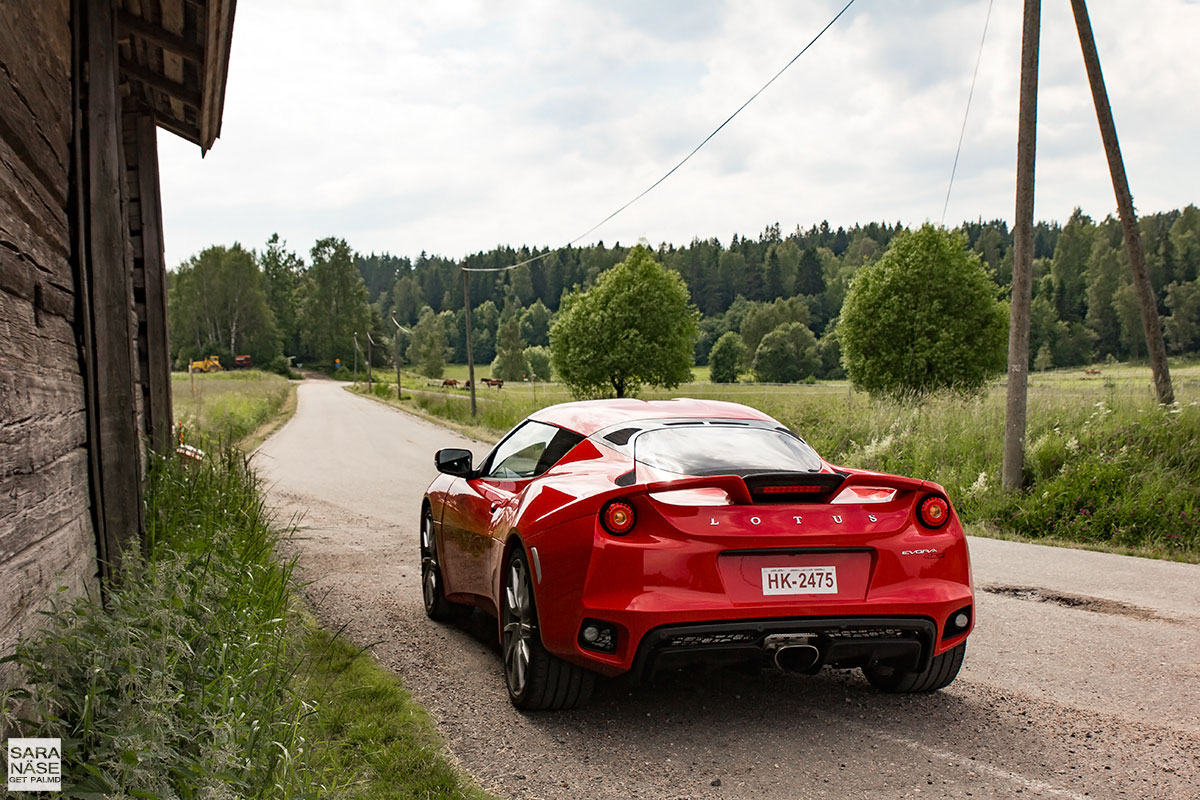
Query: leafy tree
x=538 y=359
x=762 y=318
x=726 y=359
x=1070 y=265
x=923 y=318
x=281 y=271
x=485 y=320
x=1129 y=315
x=333 y=302
x=635 y=326
x=407 y=300
x=1072 y=344
x=1044 y=359
x=829 y=353
x=510 y=362
x=535 y=324
x=217 y=304
x=428 y=350
x=786 y=355
x=1182 y=328
x=1104 y=272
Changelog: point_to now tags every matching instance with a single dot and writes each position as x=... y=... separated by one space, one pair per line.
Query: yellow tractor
x=210 y=364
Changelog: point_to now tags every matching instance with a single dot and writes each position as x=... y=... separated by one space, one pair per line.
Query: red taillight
x=933 y=511
x=617 y=517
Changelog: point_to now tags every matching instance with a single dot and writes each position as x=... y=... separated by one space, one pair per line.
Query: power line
x=685 y=159
x=967 y=112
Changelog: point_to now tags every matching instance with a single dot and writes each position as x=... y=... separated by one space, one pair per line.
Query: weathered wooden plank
x=34 y=394
x=35 y=503
x=111 y=300
x=29 y=226
x=35 y=90
x=41 y=207
x=30 y=444
x=154 y=268
x=65 y=558
x=33 y=347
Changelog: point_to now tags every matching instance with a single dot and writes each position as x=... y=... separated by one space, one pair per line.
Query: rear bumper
x=905 y=642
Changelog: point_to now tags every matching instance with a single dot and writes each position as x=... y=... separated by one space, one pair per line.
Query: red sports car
x=620 y=536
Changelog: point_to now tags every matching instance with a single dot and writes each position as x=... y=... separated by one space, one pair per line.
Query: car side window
x=529 y=451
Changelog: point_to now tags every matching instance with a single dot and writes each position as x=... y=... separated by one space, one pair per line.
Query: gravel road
x=1082 y=678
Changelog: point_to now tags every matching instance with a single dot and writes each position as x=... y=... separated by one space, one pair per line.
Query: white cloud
x=451 y=127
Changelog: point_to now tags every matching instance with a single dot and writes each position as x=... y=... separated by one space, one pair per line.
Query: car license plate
x=799 y=580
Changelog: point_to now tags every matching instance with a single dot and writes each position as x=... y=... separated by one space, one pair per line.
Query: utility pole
x=470 y=351
x=1151 y=324
x=399 y=328
x=356 y=358
x=369 y=343
x=1022 y=285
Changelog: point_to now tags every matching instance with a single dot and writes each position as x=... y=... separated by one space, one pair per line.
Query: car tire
x=536 y=680
x=437 y=607
x=940 y=673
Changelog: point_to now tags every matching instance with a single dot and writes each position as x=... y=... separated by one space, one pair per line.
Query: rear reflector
x=864 y=494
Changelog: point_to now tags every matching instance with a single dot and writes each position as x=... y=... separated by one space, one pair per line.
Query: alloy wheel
x=520 y=626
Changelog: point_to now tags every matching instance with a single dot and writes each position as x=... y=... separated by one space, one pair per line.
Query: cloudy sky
x=452 y=127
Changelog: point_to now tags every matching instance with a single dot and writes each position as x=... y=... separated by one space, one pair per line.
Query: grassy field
x=240 y=407
x=1106 y=467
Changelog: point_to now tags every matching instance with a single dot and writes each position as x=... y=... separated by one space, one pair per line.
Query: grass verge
x=242 y=407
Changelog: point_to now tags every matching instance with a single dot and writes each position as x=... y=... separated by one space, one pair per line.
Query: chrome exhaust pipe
x=797 y=658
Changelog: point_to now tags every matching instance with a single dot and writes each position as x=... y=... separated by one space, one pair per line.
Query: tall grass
x=228 y=406
x=181 y=687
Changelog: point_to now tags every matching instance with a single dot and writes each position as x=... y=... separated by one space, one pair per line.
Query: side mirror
x=453 y=461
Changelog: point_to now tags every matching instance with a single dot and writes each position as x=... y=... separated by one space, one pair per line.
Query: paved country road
x=1082 y=678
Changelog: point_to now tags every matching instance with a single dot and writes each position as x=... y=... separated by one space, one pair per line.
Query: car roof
x=588 y=416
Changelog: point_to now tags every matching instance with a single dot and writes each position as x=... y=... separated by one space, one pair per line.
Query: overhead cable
x=685 y=159
x=967 y=112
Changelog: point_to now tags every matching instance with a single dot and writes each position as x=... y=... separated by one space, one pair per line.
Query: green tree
x=538 y=359
x=635 y=326
x=1182 y=327
x=535 y=324
x=1044 y=359
x=509 y=364
x=924 y=317
x=407 y=300
x=1069 y=267
x=786 y=355
x=333 y=304
x=428 y=350
x=726 y=358
x=281 y=272
x=217 y=305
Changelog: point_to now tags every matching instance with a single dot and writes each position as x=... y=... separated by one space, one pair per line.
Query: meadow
x=1105 y=466
x=231 y=406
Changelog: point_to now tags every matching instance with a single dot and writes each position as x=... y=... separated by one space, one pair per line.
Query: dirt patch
x=1099 y=605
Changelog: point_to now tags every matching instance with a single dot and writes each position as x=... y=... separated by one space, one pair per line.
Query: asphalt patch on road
x=1099 y=605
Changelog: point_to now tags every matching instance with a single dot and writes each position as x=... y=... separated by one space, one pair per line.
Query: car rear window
x=709 y=450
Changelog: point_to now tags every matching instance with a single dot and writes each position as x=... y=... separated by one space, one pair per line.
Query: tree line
x=779 y=294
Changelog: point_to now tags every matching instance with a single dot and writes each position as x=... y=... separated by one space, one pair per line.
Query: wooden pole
x=470 y=351
x=1022 y=286
x=1151 y=325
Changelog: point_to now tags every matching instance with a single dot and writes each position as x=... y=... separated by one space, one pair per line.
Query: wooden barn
x=84 y=373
